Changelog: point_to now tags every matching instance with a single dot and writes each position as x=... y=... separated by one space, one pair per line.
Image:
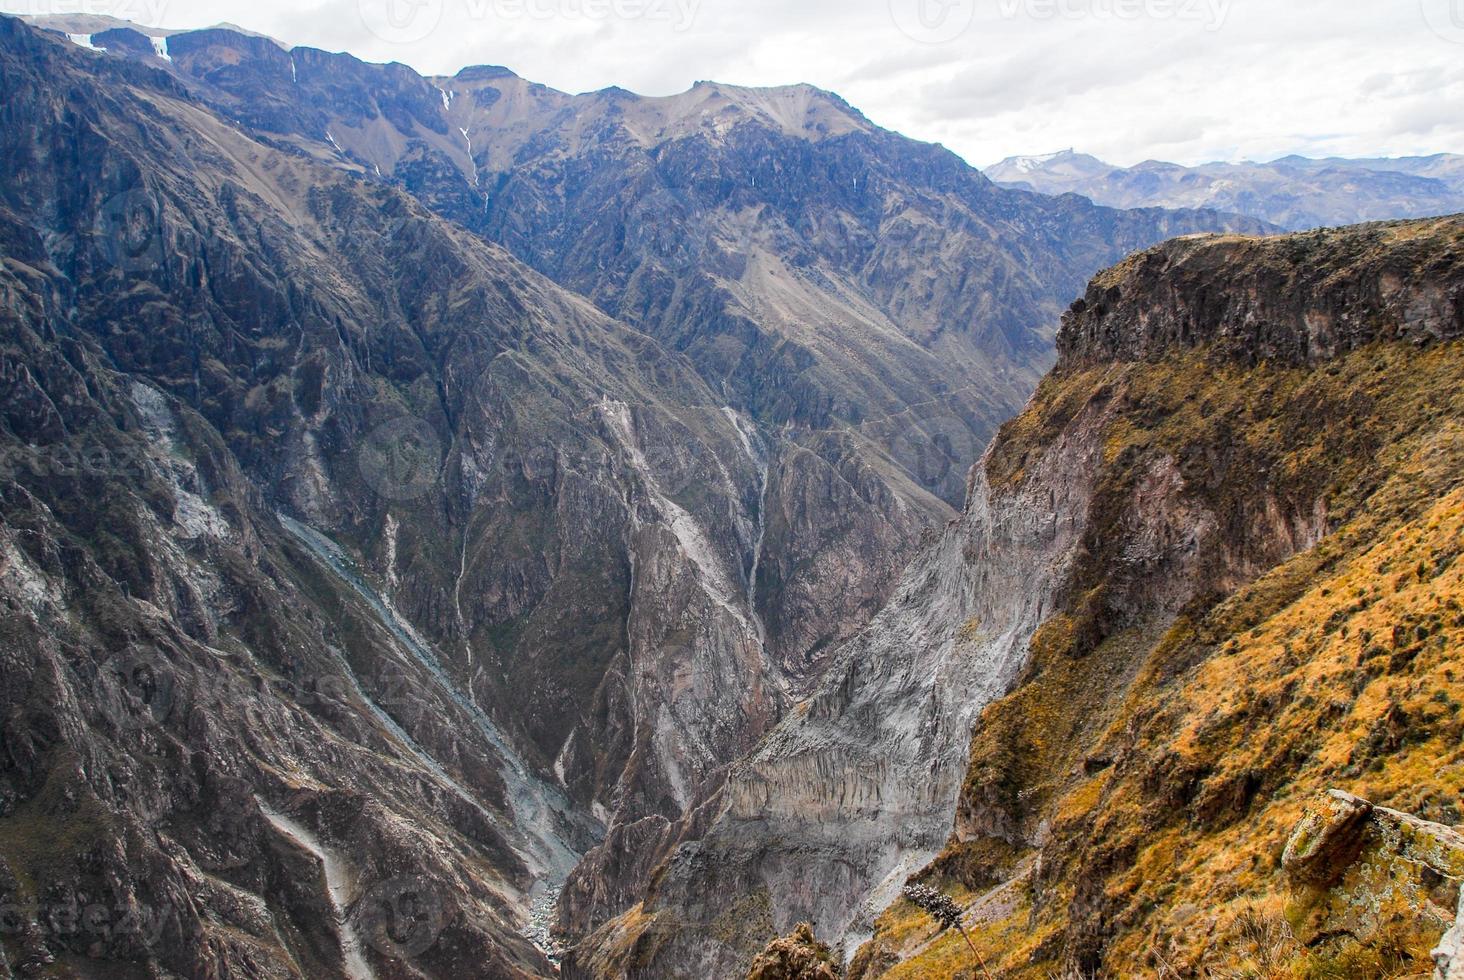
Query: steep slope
x=1264 y=606
x=1293 y=192
x=346 y=561
x=1220 y=406
x=862 y=311
x=872 y=304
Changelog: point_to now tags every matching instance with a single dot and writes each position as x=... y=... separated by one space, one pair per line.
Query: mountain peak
x=1064 y=163
x=484 y=73
x=800 y=109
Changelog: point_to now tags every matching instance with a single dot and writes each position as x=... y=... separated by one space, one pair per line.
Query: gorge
x=450 y=527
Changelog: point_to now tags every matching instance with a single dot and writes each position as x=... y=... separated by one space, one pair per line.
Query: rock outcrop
x=1448 y=955
x=1266 y=605
x=1365 y=875
x=1298 y=299
x=795 y=957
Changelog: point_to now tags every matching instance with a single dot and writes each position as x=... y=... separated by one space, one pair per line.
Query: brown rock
x=1367 y=874
x=796 y=957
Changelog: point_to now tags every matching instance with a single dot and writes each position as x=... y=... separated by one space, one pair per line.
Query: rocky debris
x=1367 y=875
x=799 y=956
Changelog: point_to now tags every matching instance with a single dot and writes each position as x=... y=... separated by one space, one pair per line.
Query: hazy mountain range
x=1294 y=192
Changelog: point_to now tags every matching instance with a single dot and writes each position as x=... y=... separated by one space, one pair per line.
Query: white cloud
x=1187 y=80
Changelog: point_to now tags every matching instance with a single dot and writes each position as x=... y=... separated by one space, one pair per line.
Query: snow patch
x=472 y=164
x=1028 y=164
x=160 y=48
x=85 y=41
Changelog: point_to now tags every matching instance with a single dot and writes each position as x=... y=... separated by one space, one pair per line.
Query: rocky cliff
x=1209 y=571
x=1264 y=605
x=632 y=544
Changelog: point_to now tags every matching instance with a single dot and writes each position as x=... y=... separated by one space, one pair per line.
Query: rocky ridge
x=1265 y=607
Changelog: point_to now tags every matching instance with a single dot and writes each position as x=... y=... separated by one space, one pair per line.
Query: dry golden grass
x=1171 y=761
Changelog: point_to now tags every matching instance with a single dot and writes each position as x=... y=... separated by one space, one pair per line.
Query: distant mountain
x=1294 y=192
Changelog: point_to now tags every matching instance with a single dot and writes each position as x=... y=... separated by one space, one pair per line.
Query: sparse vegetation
x=1157 y=760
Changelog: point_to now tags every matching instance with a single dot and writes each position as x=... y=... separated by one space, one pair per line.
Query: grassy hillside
x=1268 y=607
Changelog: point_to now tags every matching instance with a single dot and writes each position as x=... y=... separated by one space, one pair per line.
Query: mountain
x=1261 y=621
x=444 y=516
x=658 y=509
x=348 y=564
x=1293 y=192
x=1208 y=574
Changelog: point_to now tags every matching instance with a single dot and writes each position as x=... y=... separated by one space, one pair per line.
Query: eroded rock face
x=1301 y=299
x=857 y=788
x=1370 y=875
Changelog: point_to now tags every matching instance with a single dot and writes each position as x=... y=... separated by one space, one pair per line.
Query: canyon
x=453 y=527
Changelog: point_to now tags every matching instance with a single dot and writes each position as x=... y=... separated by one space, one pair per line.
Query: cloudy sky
x=1127 y=80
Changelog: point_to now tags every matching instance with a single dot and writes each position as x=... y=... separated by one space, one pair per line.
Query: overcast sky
x=1126 y=80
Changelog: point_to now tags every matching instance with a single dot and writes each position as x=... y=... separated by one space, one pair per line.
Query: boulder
x=796 y=957
x=1367 y=875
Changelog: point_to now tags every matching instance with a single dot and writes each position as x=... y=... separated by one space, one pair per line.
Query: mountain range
x=527 y=454
x=451 y=527
x=1293 y=192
